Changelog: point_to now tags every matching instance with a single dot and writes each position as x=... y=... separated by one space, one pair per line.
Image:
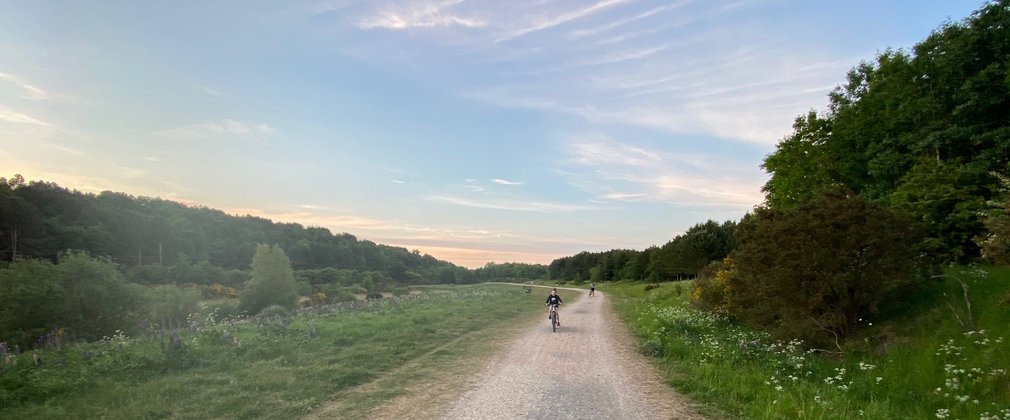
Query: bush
x=85 y=295
x=273 y=311
x=711 y=289
x=170 y=302
x=995 y=243
x=401 y=291
x=815 y=270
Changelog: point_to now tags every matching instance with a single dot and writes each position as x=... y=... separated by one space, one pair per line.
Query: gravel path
x=587 y=369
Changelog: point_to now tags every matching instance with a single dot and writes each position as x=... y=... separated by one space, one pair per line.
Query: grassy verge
x=927 y=361
x=272 y=368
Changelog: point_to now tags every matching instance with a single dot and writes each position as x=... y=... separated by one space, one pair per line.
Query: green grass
x=278 y=371
x=921 y=363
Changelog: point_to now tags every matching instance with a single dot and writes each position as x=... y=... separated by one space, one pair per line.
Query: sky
x=473 y=131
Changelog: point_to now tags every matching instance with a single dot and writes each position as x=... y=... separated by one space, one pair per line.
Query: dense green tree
x=948 y=199
x=801 y=165
x=938 y=113
x=272 y=282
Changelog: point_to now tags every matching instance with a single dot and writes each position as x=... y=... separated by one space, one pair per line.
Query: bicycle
x=554 y=318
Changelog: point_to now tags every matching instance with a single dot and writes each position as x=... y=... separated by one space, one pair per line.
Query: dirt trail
x=587 y=369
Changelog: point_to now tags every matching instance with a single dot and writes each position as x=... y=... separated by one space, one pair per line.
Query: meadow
x=315 y=361
x=945 y=355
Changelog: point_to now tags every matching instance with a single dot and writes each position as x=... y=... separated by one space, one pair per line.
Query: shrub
x=813 y=271
x=87 y=296
x=273 y=311
x=169 y=302
x=711 y=289
x=995 y=243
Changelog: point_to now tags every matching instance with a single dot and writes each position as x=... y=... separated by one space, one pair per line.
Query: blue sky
x=474 y=131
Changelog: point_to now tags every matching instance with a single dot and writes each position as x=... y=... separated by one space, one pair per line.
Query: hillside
x=40 y=220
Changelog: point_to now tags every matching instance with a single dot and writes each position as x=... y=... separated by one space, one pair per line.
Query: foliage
x=272 y=282
x=687 y=254
x=711 y=290
x=170 y=302
x=812 y=272
x=220 y=308
x=995 y=243
x=681 y=257
x=83 y=295
x=273 y=311
x=947 y=198
x=510 y=272
x=920 y=365
x=164 y=242
x=915 y=129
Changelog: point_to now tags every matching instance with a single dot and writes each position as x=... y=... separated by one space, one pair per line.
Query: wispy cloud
x=579 y=33
x=29 y=91
x=622 y=56
x=540 y=24
x=224 y=129
x=515 y=205
x=615 y=171
x=602 y=151
x=209 y=90
x=19 y=118
x=500 y=181
x=679 y=74
x=420 y=15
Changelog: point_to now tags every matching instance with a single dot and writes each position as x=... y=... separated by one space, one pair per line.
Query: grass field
x=927 y=361
x=328 y=362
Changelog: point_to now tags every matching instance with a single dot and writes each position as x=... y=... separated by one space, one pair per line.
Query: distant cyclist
x=592 y=289
x=554 y=300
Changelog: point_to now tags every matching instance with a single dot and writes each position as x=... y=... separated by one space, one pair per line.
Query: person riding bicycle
x=592 y=288
x=554 y=300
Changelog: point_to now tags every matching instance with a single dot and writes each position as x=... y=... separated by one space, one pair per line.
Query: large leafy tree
x=801 y=166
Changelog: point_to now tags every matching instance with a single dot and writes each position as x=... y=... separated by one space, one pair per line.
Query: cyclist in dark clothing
x=555 y=300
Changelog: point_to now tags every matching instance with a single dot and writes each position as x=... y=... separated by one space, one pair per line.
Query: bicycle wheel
x=554 y=321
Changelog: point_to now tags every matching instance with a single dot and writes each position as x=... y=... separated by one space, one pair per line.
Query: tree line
x=184 y=244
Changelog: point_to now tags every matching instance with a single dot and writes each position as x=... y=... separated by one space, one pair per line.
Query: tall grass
x=926 y=361
x=277 y=367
